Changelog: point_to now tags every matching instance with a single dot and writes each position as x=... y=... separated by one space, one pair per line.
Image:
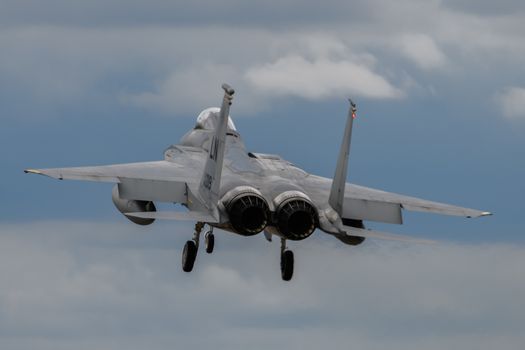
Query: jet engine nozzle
x=247 y=210
x=296 y=217
x=133 y=206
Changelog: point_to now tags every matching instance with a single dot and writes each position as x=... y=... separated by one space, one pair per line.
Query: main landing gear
x=189 y=254
x=286 y=262
x=209 y=241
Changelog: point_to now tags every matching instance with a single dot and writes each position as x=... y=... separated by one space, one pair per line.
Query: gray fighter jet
x=226 y=187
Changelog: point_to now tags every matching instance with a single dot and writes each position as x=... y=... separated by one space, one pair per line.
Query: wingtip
x=483 y=213
x=32 y=171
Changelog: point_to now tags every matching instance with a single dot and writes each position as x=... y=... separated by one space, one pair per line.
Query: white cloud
x=115 y=285
x=321 y=78
x=315 y=67
x=191 y=89
x=422 y=50
x=188 y=90
x=512 y=102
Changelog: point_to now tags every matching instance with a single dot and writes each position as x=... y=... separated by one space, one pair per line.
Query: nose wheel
x=287 y=262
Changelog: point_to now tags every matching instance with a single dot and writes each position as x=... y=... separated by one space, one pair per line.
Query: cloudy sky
x=440 y=87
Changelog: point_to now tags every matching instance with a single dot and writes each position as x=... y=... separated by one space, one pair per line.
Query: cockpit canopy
x=208 y=119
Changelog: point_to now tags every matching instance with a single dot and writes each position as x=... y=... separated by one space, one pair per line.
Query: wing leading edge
x=157 y=170
x=156 y=181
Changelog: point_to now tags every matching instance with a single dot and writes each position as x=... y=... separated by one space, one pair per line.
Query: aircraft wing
x=164 y=181
x=158 y=170
x=379 y=198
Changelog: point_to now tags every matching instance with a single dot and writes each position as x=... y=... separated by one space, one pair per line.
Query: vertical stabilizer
x=211 y=178
x=337 y=192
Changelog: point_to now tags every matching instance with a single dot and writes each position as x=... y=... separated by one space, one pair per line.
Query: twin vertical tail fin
x=211 y=178
x=337 y=192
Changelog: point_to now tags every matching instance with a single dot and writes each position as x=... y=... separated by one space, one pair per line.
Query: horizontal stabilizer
x=176 y=215
x=354 y=194
x=444 y=209
x=354 y=231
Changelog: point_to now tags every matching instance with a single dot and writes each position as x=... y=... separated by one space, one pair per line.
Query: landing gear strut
x=190 y=249
x=286 y=262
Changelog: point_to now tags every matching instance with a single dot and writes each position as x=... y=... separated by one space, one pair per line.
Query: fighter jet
x=223 y=185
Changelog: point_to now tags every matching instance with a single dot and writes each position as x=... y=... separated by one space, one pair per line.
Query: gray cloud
x=124 y=12
x=61 y=66
x=112 y=285
x=512 y=102
x=286 y=13
x=486 y=7
x=169 y=57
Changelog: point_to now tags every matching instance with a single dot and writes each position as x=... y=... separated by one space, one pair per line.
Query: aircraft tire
x=209 y=241
x=287 y=262
x=188 y=256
